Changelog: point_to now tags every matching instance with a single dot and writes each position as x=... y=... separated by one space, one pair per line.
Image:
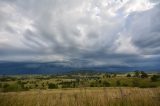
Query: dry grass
x=83 y=97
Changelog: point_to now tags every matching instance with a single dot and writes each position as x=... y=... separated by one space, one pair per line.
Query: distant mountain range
x=10 y=68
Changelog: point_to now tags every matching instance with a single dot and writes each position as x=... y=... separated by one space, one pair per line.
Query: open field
x=83 y=97
x=78 y=80
x=81 y=89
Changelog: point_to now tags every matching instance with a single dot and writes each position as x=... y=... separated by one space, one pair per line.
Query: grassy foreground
x=112 y=96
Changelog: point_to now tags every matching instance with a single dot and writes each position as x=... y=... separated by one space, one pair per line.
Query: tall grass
x=84 y=97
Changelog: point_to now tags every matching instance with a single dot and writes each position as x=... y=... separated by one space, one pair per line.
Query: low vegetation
x=81 y=89
x=104 y=96
x=78 y=80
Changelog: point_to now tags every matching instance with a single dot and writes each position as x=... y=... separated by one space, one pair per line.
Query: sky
x=81 y=33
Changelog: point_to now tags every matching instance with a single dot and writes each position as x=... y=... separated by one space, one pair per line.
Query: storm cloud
x=81 y=33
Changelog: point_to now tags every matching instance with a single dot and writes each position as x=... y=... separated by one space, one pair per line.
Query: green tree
x=137 y=73
x=143 y=74
x=128 y=75
x=106 y=76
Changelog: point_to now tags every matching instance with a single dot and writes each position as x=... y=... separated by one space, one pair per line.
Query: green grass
x=22 y=83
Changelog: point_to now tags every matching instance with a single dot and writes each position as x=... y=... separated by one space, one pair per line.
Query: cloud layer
x=81 y=32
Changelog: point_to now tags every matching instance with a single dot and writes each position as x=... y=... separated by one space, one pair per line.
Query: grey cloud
x=80 y=32
x=144 y=27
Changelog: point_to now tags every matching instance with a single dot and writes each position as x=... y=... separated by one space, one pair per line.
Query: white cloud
x=125 y=45
x=138 y=5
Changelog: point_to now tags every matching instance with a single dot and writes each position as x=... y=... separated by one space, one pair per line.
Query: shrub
x=71 y=84
x=155 y=78
x=143 y=74
x=105 y=84
x=125 y=84
x=52 y=86
x=11 y=88
x=153 y=86
x=92 y=84
x=118 y=83
x=5 y=85
x=135 y=83
x=0 y=85
x=106 y=76
x=128 y=75
x=143 y=85
x=136 y=73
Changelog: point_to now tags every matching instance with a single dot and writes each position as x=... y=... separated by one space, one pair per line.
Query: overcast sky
x=81 y=32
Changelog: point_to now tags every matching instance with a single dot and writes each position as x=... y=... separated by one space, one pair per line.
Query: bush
x=92 y=84
x=71 y=84
x=0 y=85
x=148 y=85
x=155 y=78
x=125 y=85
x=106 y=76
x=128 y=75
x=135 y=83
x=142 y=85
x=11 y=88
x=153 y=86
x=105 y=84
x=143 y=74
x=5 y=85
x=118 y=83
x=136 y=73
x=52 y=86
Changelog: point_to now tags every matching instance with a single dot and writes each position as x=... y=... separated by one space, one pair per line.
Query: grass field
x=78 y=80
x=81 y=89
x=110 y=96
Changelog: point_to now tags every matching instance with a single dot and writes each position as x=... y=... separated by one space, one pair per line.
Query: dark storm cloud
x=81 y=32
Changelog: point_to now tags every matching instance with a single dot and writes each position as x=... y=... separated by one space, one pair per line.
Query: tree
x=136 y=73
x=128 y=75
x=143 y=74
x=106 y=76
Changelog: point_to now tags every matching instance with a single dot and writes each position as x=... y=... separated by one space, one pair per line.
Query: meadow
x=84 y=97
x=81 y=89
